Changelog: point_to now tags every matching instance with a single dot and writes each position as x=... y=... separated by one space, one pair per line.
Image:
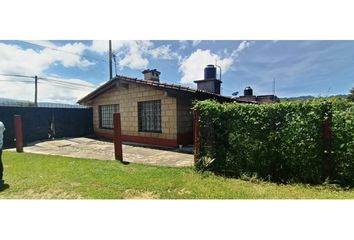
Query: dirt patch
x=183 y=191
x=138 y=194
x=179 y=192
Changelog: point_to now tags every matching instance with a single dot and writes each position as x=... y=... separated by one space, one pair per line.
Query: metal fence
x=37 y=122
x=44 y=104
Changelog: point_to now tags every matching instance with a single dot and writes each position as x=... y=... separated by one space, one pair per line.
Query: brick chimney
x=151 y=75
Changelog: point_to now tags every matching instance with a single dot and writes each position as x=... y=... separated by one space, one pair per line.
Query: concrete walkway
x=95 y=149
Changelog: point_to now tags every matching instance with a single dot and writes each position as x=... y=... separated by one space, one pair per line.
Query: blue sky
x=318 y=68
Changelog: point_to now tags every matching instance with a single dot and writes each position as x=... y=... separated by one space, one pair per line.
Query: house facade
x=151 y=112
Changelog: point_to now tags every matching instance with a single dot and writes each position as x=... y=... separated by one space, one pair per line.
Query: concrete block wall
x=128 y=99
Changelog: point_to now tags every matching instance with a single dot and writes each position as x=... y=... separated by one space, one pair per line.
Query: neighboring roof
x=208 y=80
x=200 y=94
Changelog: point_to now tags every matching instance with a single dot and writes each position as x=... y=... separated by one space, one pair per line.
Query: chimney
x=209 y=83
x=151 y=75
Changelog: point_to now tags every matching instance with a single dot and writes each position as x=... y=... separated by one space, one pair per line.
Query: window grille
x=106 y=115
x=149 y=116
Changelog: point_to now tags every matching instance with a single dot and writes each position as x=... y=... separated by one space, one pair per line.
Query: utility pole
x=115 y=63
x=35 y=90
x=110 y=59
x=274 y=86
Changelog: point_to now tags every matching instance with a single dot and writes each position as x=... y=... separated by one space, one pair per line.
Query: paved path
x=94 y=149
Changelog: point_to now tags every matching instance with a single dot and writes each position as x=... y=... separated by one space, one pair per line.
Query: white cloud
x=18 y=60
x=192 y=67
x=183 y=44
x=163 y=52
x=48 y=91
x=45 y=43
x=196 y=42
x=99 y=46
x=241 y=47
x=73 y=60
x=129 y=53
x=15 y=59
x=67 y=91
x=134 y=54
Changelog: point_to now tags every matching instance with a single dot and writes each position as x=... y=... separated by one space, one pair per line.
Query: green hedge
x=280 y=142
x=343 y=142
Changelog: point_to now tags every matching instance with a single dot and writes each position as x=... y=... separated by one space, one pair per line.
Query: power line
x=61 y=50
x=55 y=82
x=15 y=80
x=60 y=85
x=64 y=82
x=15 y=75
x=45 y=79
x=63 y=85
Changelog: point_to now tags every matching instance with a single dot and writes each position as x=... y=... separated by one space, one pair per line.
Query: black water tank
x=248 y=91
x=210 y=72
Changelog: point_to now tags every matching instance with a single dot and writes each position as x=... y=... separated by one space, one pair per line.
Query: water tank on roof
x=210 y=72
x=248 y=91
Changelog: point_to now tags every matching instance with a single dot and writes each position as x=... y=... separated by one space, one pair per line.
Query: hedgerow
x=343 y=143
x=281 y=142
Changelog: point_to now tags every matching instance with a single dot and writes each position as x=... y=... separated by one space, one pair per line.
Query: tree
x=351 y=95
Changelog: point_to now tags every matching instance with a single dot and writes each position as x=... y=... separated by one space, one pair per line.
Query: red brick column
x=117 y=136
x=196 y=135
x=18 y=133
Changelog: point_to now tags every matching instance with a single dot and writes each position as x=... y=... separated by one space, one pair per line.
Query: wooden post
x=196 y=135
x=327 y=162
x=18 y=133
x=117 y=135
x=35 y=91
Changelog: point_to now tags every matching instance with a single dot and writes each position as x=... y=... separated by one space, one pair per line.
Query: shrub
x=343 y=142
x=282 y=142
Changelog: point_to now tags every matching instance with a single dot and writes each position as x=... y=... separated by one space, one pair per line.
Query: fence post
x=196 y=135
x=327 y=161
x=117 y=136
x=18 y=133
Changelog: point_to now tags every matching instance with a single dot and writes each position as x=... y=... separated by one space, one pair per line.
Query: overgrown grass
x=32 y=176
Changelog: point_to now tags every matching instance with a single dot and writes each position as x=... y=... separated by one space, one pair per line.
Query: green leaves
x=282 y=141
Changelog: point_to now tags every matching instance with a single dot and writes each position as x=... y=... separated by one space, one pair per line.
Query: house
x=248 y=96
x=152 y=112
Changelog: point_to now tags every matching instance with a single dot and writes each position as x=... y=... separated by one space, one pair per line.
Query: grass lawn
x=32 y=176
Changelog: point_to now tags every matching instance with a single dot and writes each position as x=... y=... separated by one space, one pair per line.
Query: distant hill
x=9 y=100
x=13 y=102
x=303 y=98
x=23 y=103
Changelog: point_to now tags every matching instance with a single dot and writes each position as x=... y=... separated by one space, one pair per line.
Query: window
x=106 y=115
x=149 y=116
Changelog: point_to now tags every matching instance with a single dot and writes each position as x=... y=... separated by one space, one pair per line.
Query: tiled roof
x=198 y=93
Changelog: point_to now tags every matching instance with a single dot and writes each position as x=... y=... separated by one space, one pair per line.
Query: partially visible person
x=2 y=129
